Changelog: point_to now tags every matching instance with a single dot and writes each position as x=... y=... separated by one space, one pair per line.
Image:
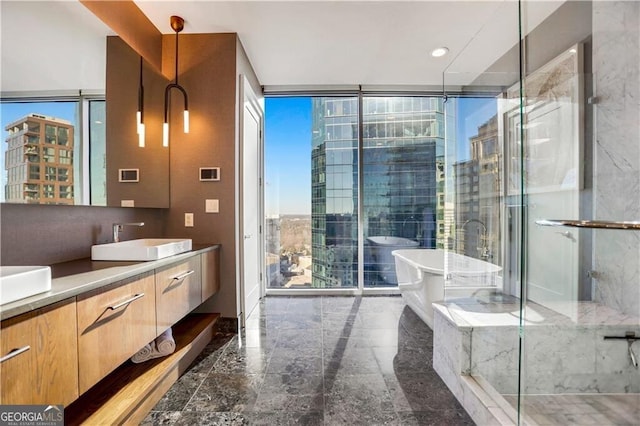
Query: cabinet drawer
x=40 y=356
x=210 y=273
x=113 y=324
x=178 y=292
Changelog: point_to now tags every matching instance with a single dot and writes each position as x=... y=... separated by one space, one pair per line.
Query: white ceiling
x=316 y=43
x=356 y=42
x=51 y=46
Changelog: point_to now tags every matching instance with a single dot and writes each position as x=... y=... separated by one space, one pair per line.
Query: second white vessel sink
x=141 y=250
x=18 y=282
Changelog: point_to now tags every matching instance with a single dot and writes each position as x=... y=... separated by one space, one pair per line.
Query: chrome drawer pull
x=126 y=302
x=183 y=276
x=14 y=353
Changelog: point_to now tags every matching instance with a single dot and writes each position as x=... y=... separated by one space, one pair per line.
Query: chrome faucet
x=117 y=227
x=414 y=220
x=483 y=249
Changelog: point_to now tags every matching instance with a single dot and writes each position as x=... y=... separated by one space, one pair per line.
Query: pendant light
x=140 y=113
x=177 y=24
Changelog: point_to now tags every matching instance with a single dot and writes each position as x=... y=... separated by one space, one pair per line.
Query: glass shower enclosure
x=542 y=158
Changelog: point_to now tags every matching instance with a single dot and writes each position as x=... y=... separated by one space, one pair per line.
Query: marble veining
x=562 y=354
x=316 y=361
x=616 y=73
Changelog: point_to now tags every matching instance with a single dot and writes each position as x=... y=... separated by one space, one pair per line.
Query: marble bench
x=476 y=351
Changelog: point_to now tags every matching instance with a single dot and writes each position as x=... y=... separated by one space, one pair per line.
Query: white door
x=251 y=205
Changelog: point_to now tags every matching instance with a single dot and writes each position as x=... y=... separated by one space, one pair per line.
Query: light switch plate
x=212 y=206
x=188 y=220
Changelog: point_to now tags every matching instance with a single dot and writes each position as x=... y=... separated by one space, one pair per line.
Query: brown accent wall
x=207 y=72
x=123 y=152
x=227 y=301
x=32 y=234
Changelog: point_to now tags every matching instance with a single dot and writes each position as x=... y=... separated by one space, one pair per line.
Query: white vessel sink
x=18 y=282
x=140 y=250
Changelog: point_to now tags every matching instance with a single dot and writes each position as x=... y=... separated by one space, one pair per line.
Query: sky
x=472 y=113
x=288 y=148
x=287 y=155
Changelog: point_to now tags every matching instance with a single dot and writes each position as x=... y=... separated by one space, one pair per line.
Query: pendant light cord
x=176 y=61
x=141 y=94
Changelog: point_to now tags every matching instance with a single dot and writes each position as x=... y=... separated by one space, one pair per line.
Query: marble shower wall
x=616 y=67
x=560 y=356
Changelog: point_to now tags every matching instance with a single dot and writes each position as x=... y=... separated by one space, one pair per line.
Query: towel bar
x=594 y=224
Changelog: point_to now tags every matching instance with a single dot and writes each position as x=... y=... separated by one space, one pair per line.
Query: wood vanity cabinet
x=178 y=292
x=40 y=356
x=210 y=273
x=113 y=324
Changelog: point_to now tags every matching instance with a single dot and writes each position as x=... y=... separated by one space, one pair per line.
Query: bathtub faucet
x=483 y=249
x=414 y=220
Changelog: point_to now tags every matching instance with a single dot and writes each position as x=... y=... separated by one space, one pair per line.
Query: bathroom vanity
x=59 y=345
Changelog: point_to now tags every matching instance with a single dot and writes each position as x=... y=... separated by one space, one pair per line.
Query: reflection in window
x=63 y=136
x=34 y=172
x=50 y=134
x=48 y=191
x=64 y=175
x=39 y=137
x=97 y=152
x=49 y=155
x=50 y=173
x=66 y=191
x=65 y=156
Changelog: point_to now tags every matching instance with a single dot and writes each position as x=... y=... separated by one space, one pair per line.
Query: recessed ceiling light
x=440 y=51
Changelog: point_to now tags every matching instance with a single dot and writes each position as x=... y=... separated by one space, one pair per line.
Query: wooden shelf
x=132 y=390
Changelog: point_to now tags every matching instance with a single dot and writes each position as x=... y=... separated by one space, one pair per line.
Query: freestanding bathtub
x=422 y=274
x=381 y=249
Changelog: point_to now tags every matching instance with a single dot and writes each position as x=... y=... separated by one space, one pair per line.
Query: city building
x=39 y=161
x=478 y=191
x=402 y=182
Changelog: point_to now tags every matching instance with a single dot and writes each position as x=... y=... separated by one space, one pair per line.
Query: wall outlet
x=211 y=206
x=127 y=203
x=188 y=220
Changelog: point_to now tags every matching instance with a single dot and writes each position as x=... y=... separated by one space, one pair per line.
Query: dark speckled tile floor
x=316 y=361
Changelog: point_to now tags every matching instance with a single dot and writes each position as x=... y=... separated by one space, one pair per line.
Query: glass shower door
x=582 y=316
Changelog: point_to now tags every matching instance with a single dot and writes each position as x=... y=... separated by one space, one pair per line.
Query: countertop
x=76 y=277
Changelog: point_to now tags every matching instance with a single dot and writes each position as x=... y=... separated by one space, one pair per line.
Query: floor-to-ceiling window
x=403 y=141
x=338 y=202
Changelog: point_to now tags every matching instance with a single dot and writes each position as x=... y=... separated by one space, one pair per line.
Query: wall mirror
x=61 y=141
